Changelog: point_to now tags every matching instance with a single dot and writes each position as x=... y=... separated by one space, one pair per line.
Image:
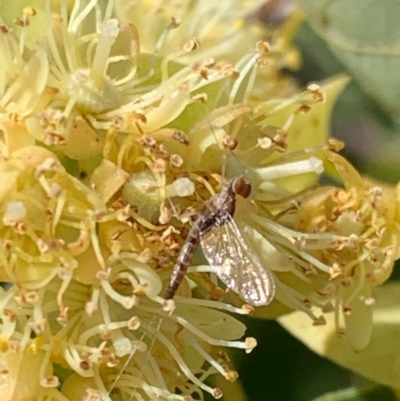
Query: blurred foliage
x=283 y=369
x=364 y=37
x=371 y=393
x=368 y=129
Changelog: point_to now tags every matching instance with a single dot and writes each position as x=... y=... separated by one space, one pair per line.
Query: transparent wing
x=236 y=264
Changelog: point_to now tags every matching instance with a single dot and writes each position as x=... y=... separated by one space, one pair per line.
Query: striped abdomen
x=184 y=259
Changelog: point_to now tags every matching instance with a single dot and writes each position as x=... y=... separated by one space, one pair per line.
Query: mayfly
x=233 y=261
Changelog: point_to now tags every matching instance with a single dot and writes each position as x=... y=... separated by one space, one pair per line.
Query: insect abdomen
x=184 y=259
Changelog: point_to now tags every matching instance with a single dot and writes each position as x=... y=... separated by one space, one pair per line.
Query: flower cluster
x=109 y=147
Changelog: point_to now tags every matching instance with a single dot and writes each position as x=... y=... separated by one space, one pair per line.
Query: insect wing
x=236 y=264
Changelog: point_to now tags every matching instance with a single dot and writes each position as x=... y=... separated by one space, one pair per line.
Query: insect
x=228 y=253
x=235 y=264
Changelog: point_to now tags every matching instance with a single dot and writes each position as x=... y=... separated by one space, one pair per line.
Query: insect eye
x=241 y=187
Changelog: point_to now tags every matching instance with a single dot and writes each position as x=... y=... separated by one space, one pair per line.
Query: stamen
x=285 y=238
x=360 y=284
x=43 y=368
x=126 y=302
x=73 y=358
x=51 y=40
x=212 y=341
x=210 y=304
x=96 y=244
x=109 y=10
x=311 y=165
x=76 y=19
x=109 y=32
x=290 y=297
x=185 y=369
x=66 y=280
x=246 y=65
x=99 y=329
x=188 y=47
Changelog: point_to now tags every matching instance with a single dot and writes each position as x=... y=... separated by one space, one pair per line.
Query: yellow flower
x=328 y=246
x=107 y=153
x=90 y=163
x=17 y=381
x=97 y=81
x=365 y=236
x=220 y=28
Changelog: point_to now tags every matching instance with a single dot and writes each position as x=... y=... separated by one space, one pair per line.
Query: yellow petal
x=82 y=141
x=8 y=178
x=75 y=387
x=380 y=361
x=15 y=135
x=159 y=115
x=31 y=156
x=127 y=42
x=88 y=266
x=22 y=96
x=359 y=323
x=347 y=173
x=107 y=179
x=19 y=383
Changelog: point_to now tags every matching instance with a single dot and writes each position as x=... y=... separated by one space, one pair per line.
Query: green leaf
x=364 y=36
x=372 y=393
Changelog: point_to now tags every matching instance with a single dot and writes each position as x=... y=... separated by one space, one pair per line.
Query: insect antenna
x=227 y=144
x=167 y=306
